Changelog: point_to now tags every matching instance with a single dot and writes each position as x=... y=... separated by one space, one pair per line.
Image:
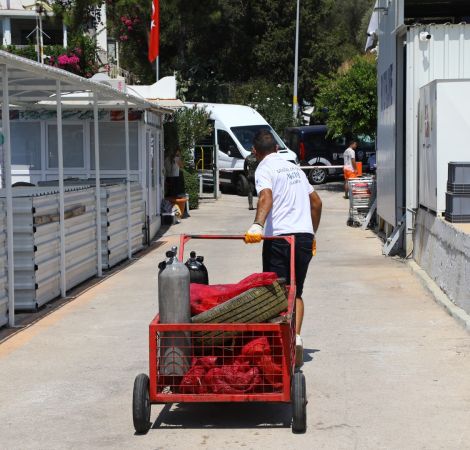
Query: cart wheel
x=299 y=403
x=141 y=404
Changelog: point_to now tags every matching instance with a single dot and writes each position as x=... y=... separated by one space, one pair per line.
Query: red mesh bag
x=205 y=297
x=193 y=381
x=238 y=378
x=258 y=353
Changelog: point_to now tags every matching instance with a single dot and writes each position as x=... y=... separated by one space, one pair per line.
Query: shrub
x=191 y=182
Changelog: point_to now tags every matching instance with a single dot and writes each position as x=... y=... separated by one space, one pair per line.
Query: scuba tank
x=174 y=307
x=197 y=270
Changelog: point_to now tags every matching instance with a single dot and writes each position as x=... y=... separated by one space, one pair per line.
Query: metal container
x=405 y=64
x=114 y=222
x=3 y=266
x=114 y=217
x=197 y=270
x=444 y=121
x=36 y=235
x=174 y=307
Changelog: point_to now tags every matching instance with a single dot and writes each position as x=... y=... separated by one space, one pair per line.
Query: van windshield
x=246 y=134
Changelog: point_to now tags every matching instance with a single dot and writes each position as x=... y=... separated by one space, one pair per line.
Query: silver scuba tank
x=173 y=290
x=174 y=307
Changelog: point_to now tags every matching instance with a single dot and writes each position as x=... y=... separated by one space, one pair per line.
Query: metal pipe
x=128 y=182
x=64 y=36
x=60 y=164
x=9 y=195
x=295 y=101
x=98 y=185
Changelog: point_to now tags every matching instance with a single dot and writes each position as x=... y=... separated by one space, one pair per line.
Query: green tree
x=347 y=100
x=271 y=100
x=182 y=131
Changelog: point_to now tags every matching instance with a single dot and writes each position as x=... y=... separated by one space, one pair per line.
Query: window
x=227 y=144
x=112 y=137
x=316 y=143
x=26 y=144
x=293 y=141
x=246 y=134
x=72 y=142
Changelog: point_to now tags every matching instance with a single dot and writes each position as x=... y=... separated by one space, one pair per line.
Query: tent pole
x=60 y=154
x=9 y=195
x=98 y=184
x=128 y=182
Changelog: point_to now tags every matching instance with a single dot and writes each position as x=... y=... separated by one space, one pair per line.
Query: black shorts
x=276 y=258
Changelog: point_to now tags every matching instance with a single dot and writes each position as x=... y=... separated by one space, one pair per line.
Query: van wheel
x=317 y=176
x=241 y=185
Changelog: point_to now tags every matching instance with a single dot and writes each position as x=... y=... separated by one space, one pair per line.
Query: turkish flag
x=154 y=42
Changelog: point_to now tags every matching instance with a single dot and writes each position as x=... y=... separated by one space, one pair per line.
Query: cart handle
x=184 y=238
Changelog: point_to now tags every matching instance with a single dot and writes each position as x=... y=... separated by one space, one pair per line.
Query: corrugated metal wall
x=37 y=238
x=37 y=245
x=114 y=220
x=3 y=266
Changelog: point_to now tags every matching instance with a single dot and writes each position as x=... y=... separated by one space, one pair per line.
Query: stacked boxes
x=458 y=193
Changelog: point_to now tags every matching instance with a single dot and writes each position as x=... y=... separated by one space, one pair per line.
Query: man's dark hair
x=264 y=142
x=353 y=141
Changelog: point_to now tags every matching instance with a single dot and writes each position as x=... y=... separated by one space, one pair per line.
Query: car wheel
x=317 y=176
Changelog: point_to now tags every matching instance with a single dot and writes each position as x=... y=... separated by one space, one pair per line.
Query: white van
x=234 y=129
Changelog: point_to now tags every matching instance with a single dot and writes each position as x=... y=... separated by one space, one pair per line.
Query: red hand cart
x=225 y=362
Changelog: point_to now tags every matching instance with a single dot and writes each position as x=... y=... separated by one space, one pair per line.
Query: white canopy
x=29 y=85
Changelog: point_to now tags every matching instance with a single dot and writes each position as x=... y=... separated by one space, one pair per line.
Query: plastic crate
x=457 y=204
x=459 y=173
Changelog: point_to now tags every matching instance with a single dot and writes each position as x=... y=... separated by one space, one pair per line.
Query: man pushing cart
x=287 y=205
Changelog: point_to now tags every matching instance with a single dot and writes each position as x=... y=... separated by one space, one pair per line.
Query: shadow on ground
x=333 y=186
x=228 y=415
x=224 y=416
x=309 y=354
x=24 y=319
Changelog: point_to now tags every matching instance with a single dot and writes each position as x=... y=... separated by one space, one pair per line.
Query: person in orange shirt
x=350 y=168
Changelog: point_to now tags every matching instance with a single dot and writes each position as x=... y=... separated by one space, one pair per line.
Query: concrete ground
x=386 y=367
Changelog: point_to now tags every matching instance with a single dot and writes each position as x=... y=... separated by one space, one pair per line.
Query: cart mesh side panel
x=256 y=361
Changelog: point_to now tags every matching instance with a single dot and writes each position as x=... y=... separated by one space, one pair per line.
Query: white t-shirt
x=291 y=202
x=348 y=156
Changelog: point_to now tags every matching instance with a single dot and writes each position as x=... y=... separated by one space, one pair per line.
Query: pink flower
x=63 y=60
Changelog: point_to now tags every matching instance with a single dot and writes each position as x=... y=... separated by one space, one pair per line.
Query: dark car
x=314 y=148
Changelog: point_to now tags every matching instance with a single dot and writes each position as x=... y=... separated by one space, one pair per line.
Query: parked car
x=314 y=148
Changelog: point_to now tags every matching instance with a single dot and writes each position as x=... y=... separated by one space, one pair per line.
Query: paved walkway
x=386 y=367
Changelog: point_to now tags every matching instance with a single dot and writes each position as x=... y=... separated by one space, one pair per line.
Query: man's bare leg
x=299 y=314
x=299 y=345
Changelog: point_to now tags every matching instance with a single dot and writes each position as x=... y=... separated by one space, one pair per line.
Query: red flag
x=154 y=43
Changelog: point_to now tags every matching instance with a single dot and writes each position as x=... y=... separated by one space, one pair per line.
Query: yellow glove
x=254 y=235
x=314 y=248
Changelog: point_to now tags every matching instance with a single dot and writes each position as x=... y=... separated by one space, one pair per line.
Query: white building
x=20 y=24
x=418 y=42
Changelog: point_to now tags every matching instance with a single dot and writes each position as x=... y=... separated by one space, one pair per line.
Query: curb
x=440 y=297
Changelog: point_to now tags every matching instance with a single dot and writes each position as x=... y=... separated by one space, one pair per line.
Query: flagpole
x=157 y=64
x=295 y=102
